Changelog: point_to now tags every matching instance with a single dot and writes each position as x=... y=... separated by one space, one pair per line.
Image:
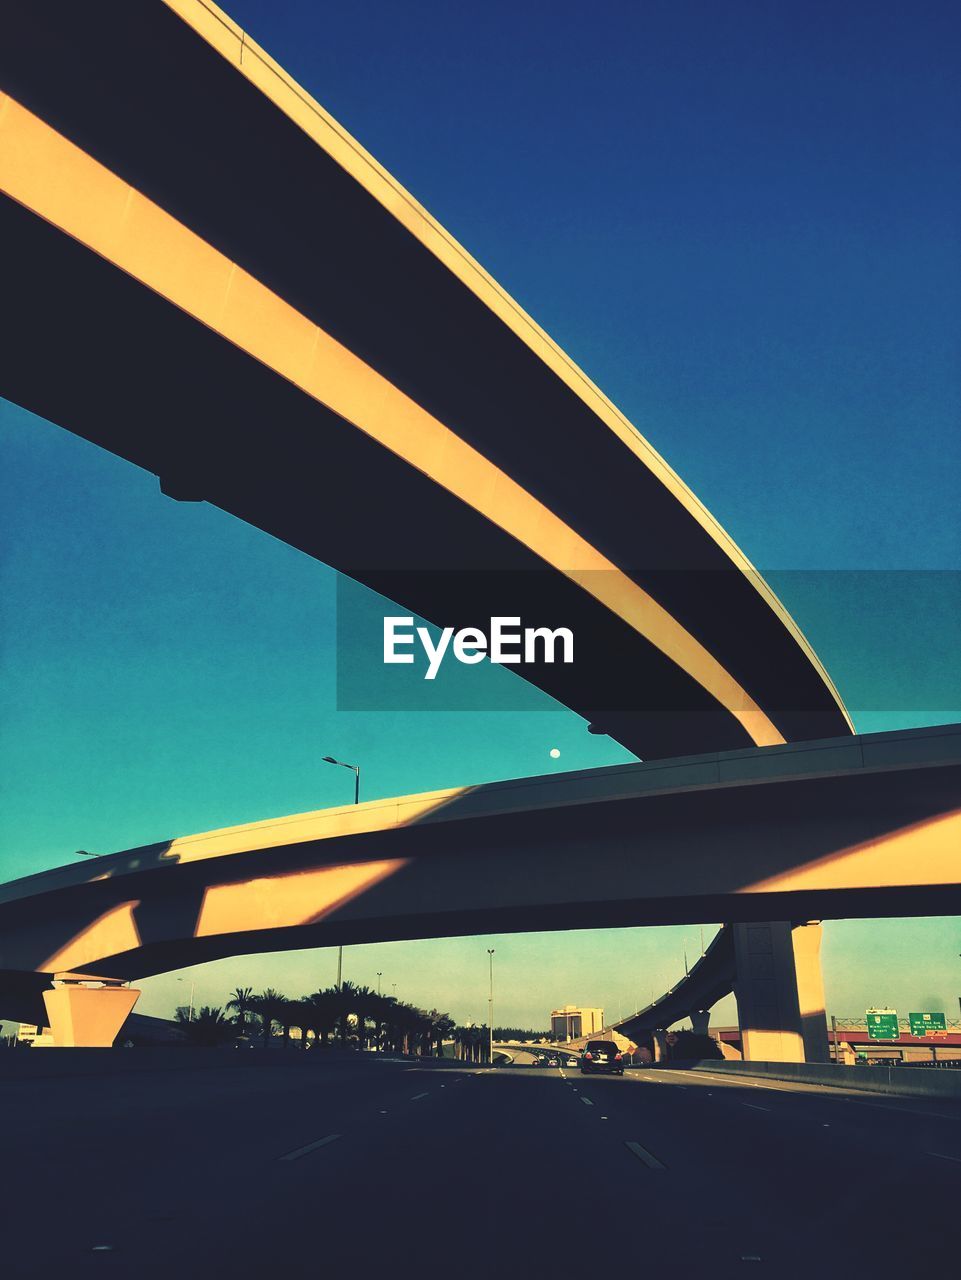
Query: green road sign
x=927 y=1024
x=882 y=1024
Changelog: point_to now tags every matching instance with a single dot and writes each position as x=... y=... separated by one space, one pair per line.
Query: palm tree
x=349 y=998
x=297 y=1013
x=442 y=1026
x=240 y=1003
x=364 y=1005
x=207 y=1027
x=268 y=1006
x=412 y=1027
x=381 y=1010
x=323 y=1007
x=469 y=1041
x=286 y=1016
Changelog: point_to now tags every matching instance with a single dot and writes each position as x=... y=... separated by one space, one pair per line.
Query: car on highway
x=602 y=1055
x=553 y=1062
x=572 y=1062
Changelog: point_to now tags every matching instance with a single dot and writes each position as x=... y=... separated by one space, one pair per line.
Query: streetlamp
x=190 y=1010
x=490 y=1010
x=356 y=768
x=379 y=976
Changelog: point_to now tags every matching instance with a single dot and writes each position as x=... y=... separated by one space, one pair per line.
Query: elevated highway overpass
x=238 y=298
x=235 y=296
x=865 y=826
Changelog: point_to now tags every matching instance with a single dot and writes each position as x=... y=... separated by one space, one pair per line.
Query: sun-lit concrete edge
x=218 y=29
x=912 y=748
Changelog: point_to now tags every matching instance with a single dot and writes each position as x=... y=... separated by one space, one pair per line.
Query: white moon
x=555 y=754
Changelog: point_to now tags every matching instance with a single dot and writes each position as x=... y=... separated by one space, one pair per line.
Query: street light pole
x=490 y=1010
x=190 y=1010
x=356 y=768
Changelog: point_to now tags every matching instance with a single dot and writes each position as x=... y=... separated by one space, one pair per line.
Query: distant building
x=570 y=1023
x=27 y=1033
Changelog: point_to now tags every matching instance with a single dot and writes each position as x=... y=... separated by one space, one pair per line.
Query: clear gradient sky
x=743 y=222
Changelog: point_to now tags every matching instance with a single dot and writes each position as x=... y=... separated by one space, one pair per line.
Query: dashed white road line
x=311 y=1146
x=754 y=1107
x=418 y=1096
x=941 y=1156
x=587 y=1102
x=642 y=1154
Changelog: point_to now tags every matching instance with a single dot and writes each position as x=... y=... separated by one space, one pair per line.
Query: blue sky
x=742 y=221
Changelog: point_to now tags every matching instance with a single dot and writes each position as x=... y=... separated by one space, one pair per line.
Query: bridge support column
x=700 y=1021
x=806 y=939
x=659 y=1042
x=767 y=996
x=87 y=1017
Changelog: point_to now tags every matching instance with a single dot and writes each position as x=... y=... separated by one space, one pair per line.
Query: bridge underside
x=240 y=300
x=218 y=242
x=789 y=833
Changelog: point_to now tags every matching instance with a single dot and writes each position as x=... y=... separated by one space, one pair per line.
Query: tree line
x=348 y=1015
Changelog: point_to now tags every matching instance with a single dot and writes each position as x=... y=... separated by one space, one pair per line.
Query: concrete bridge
x=865 y=826
x=234 y=267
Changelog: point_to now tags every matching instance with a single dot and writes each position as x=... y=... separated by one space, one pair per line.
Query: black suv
x=602 y=1055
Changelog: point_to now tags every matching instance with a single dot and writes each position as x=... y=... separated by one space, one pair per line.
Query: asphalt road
x=403 y=1168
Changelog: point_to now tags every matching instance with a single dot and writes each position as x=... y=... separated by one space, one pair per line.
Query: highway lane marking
x=754 y=1107
x=941 y=1156
x=418 y=1096
x=652 y=1162
x=311 y=1146
x=740 y=1080
x=587 y=1102
x=664 y=1078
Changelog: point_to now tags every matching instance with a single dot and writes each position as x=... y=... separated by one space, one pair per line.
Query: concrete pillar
x=87 y=1017
x=806 y=939
x=700 y=1021
x=659 y=1039
x=766 y=989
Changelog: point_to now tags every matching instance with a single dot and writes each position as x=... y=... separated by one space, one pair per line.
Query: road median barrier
x=900 y=1081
